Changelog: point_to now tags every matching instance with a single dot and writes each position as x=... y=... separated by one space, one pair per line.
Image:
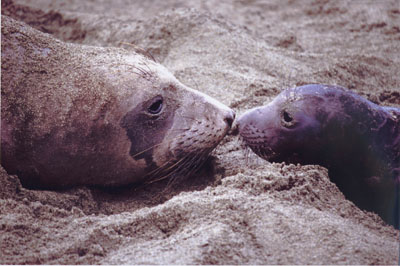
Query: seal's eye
x=287 y=117
x=156 y=105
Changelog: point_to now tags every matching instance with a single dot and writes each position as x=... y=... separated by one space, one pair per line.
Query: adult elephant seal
x=80 y=115
x=357 y=140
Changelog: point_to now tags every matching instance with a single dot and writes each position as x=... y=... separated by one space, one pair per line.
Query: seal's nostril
x=229 y=118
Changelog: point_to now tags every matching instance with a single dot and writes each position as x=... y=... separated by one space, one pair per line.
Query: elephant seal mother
x=357 y=140
x=81 y=115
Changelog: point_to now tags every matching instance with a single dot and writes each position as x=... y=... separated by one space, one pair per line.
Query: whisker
x=144 y=72
x=161 y=169
x=141 y=152
x=178 y=172
x=246 y=149
x=140 y=50
x=177 y=163
x=186 y=169
x=202 y=159
x=140 y=75
x=147 y=65
x=158 y=169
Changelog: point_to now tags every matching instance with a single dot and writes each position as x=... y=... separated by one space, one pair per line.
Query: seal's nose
x=230 y=117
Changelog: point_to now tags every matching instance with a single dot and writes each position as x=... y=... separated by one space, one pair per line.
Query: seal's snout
x=230 y=117
x=245 y=119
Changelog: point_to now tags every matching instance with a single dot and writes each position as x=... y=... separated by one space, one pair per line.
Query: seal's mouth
x=264 y=152
x=267 y=153
x=256 y=143
x=261 y=145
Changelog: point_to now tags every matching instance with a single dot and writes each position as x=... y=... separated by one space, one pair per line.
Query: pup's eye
x=287 y=117
x=156 y=105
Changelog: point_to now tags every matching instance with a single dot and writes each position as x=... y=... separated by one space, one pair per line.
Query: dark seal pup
x=357 y=140
x=81 y=115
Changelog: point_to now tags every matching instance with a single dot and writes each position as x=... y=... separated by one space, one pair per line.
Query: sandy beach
x=238 y=209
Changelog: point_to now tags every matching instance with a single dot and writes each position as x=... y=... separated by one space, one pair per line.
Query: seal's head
x=284 y=129
x=357 y=140
x=81 y=115
x=315 y=124
x=171 y=128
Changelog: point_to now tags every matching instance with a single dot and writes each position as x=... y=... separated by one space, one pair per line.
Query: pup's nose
x=230 y=117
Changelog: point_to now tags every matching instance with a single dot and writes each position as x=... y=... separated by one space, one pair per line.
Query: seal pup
x=80 y=115
x=357 y=140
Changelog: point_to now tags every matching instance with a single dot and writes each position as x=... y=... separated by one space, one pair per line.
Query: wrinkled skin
x=357 y=140
x=81 y=115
